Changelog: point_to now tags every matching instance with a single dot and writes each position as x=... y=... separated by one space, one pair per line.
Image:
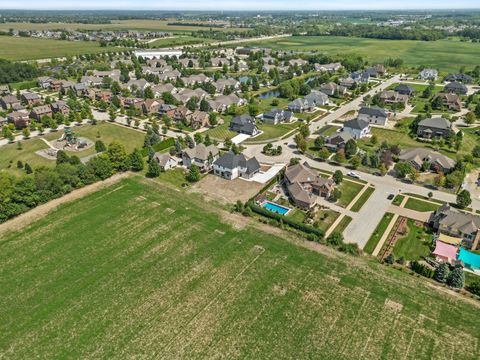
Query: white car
x=354 y=175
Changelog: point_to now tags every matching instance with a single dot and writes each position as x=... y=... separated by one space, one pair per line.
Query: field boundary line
x=214 y=299
x=41 y=211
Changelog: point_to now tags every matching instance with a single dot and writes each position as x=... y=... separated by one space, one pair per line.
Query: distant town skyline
x=262 y=5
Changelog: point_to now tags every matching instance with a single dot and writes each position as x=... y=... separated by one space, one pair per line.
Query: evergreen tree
x=441 y=272
x=100 y=146
x=28 y=168
x=153 y=169
x=194 y=174
x=136 y=160
x=456 y=278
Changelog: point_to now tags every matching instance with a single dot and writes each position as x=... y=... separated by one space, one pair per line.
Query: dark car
x=390 y=197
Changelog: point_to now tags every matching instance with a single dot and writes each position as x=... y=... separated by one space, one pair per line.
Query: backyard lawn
x=272 y=132
x=378 y=233
x=414 y=244
x=221 y=132
x=138 y=269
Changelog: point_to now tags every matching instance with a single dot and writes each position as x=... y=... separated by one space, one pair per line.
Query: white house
x=201 y=155
x=230 y=166
x=357 y=128
x=373 y=115
x=165 y=161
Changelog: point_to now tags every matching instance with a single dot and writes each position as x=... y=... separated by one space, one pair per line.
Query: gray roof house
x=301 y=105
x=464 y=78
x=434 y=127
x=452 y=222
x=357 y=128
x=276 y=116
x=244 y=124
x=456 y=88
x=317 y=97
x=373 y=115
x=428 y=74
x=165 y=161
x=201 y=155
x=337 y=141
x=332 y=89
x=230 y=166
x=418 y=156
x=405 y=89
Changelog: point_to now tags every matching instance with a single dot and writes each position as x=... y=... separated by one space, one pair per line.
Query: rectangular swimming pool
x=282 y=210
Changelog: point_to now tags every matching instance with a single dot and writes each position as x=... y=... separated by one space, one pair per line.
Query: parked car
x=390 y=196
x=353 y=174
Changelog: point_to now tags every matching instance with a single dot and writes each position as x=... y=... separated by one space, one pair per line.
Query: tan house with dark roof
x=198 y=119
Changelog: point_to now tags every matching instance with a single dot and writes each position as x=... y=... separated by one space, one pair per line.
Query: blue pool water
x=282 y=210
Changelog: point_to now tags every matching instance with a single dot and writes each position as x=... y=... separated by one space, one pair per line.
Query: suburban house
x=428 y=74
x=186 y=94
x=332 y=89
x=60 y=107
x=301 y=105
x=190 y=63
x=357 y=128
x=198 y=119
x=222 y=84
x=317 y=97
x=297 y=62
x=201 y=155
x=304 y=185
x=463 y=225
x=421 y=157
x=44 y=81
x=405 y=89
x=165 y=161
x=244 y=124
x=20 y=119
x=39 y=111
x=196 y=79
x=222 y=102
x=158 y=90
x=464 y=78
x=451 y=101
x=332 y=67
x=230 y=166
x=150 y=106
x=181 y=113
x=434 y=128
x=337 y=141
x=393 y=97
x=31 y=98
x=9 y=101
x=373 y=115
x=167 y=110
x=277 y=116
x=4 y=90
x=456 y=88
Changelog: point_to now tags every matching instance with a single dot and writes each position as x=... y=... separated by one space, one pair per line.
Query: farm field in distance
x=137 y=270
x=446 y=55
x=27 y=48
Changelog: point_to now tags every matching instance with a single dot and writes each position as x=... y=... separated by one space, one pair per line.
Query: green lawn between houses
x=378 y=233
x=157 y=271
x=420 y=205
x=414 y=244
x=349 y=190
x=445 y=55
x=363 y=199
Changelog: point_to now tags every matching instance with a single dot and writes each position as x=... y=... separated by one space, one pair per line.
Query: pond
x=269 y=94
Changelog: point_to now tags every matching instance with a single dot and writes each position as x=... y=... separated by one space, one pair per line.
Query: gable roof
x=300 y=173
x=373 y=111
x=356 y=124
x=419 y=155
x=436 y=123
x=231 y=161
x=201 y=152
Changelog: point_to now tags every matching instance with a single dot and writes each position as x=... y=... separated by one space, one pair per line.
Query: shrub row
x=162 y=145
x=421 y=269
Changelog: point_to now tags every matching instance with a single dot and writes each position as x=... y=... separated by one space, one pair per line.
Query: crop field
x=136 y=24
x=19 y=48
x=178 y=41
x=446 y=55
x=137 y=270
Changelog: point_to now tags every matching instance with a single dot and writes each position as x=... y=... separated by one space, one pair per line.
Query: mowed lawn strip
x=349 y=190
x=420 y=205
x=378 y=233
x=363 y=199
x=139 y=268
x=342 y=225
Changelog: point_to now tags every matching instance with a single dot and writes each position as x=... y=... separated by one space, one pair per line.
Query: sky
x=238 y=4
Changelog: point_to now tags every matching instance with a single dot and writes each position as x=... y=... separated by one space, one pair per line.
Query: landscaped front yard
x=420 y=205
x=414 y=244
x=349 y=190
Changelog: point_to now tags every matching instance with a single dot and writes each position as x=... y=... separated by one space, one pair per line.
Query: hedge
x=421 y=269
x=280 y=218
x=162 y=145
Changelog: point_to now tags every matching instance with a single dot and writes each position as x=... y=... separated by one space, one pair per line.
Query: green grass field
x=363 y=199
x=446 y=55
x=342 y=225
x=349 y=190
x=103 y=131
x=180 y=40
x=18 y=48
x=420 y=205
x=141 y=270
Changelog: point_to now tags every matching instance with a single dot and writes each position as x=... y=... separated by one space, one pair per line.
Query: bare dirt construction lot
x=226 y=191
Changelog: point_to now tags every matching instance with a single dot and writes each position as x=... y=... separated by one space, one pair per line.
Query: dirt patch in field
x=227 y=191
